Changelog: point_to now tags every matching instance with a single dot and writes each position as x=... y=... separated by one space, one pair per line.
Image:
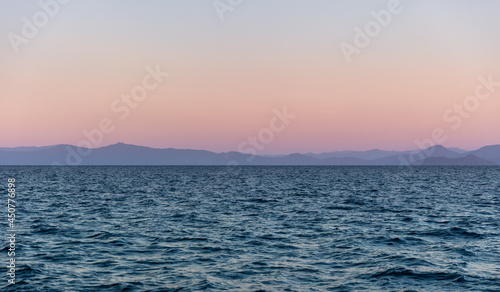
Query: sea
x=252 y=228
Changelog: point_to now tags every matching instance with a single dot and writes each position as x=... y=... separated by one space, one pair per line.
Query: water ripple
x=257 y=228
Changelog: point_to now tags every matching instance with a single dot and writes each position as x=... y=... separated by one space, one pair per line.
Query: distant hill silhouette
x=467 y=160
x=126 y=154
x=491 y=153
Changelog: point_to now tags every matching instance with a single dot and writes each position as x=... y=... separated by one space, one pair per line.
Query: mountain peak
x=121 y=144
x=438 y=146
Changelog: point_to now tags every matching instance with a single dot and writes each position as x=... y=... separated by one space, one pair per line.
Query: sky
x=411 y=74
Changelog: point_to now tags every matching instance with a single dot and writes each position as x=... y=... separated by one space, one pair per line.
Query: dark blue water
x=255 y=228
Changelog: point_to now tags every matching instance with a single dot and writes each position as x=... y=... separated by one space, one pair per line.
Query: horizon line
x=309 y=152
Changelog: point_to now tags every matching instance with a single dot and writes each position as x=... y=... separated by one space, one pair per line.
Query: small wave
x=192 y=239
x=404 y=272
x=260 y=200
x=464 y=252
x=26 y=271
x=101 y=235
x=306 y=270
x=340 y=207
x=285 y=246
x=449 y=232
x=105 y=263
x=354 y=201
x=45 y=230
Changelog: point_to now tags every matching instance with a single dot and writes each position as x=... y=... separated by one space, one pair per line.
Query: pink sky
x=227 y=77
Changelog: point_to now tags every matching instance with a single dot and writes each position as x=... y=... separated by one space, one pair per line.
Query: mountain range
x=126 y=154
